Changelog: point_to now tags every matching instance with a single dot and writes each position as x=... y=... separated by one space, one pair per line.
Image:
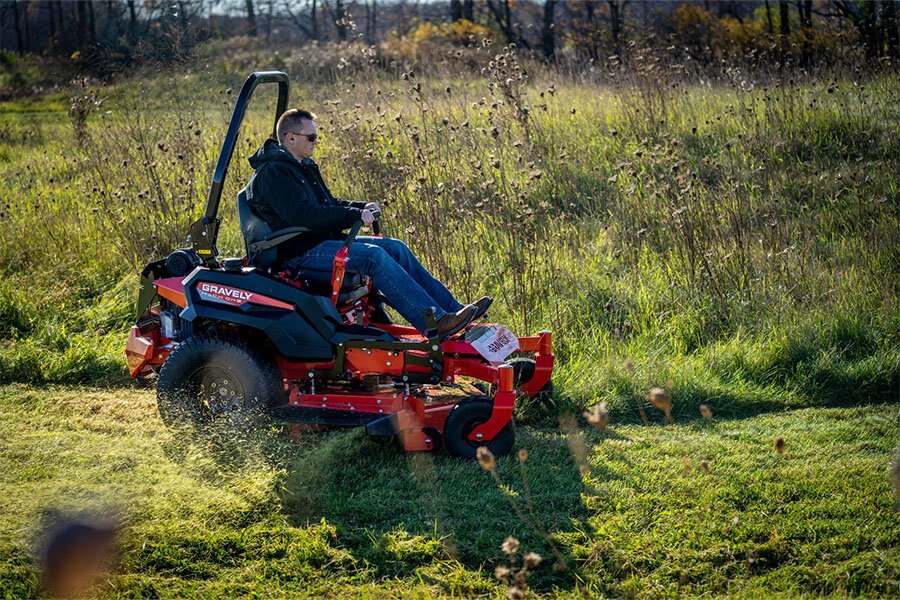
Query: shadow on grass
x=823 y=389
x=397 y=511
x=814 y=381
x=746 y=404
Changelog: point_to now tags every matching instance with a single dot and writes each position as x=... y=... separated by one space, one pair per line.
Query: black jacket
x=288 y=193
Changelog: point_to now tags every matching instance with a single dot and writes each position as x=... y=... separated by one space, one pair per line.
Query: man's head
x=296 y=130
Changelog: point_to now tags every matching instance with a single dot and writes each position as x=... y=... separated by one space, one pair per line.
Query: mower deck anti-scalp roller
x=231 y=339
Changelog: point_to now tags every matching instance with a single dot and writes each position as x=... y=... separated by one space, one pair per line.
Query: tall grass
x=739 y=239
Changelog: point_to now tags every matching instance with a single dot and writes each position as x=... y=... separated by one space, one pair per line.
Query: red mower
x=234 y=337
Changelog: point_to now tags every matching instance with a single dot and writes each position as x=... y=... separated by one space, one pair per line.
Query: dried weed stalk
x=489 y=463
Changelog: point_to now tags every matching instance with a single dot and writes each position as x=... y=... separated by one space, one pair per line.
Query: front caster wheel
x=523 y=372
x=463 y=419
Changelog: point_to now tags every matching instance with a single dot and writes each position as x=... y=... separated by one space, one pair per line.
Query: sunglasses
x=310 y=136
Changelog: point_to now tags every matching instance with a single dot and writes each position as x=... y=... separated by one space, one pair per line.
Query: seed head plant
x=511 y=546
x=486 y=458
x=779 y=445
x=515 y=574
x=662 y=400
x=530 y=519
x=597 y=416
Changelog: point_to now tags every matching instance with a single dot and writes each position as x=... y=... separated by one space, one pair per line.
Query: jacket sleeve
x=351 y=203
x=294 y=206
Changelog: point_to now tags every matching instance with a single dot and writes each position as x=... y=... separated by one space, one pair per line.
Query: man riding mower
x=239 y=336
x=288 y=190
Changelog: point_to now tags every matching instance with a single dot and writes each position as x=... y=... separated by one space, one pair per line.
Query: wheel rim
x=214 y=392
x=468 y=428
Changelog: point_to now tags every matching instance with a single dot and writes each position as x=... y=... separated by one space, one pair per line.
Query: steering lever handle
x=354 y=231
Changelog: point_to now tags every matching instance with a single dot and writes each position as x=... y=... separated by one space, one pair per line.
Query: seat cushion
x=315 y=279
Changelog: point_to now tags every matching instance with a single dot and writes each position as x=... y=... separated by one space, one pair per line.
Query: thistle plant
x=489 y=463
x=515 y=574
x=662 y=400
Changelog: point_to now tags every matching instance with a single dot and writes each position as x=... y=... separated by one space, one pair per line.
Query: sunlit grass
x=703 y=507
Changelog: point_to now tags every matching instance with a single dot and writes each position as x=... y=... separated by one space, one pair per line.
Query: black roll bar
x=203 y=233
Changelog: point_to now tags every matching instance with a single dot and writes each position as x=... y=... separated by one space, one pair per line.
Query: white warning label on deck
x=494 y=343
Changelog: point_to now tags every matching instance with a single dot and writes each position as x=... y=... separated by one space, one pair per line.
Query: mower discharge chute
x=233 y=337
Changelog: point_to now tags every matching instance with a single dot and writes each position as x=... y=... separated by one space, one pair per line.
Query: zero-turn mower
x=236 y=336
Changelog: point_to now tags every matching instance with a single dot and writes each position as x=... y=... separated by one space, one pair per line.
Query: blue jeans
x=395 y=271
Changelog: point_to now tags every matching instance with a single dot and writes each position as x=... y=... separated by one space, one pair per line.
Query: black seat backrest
x=255 y=229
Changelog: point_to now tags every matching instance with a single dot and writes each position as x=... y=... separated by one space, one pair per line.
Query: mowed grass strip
x=700 y=507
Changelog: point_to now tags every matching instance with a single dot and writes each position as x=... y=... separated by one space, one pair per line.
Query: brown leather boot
x=451 y=323
x=482 y=305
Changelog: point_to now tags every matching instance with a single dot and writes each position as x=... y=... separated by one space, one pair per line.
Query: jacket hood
x=270 y=151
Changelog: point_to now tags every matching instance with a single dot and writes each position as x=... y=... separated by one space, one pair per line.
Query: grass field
x=736 y=244
x=696 y=508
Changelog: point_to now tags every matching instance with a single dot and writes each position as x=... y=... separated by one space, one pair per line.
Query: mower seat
x=261 y=243
x=259 y=238
x=354 y=286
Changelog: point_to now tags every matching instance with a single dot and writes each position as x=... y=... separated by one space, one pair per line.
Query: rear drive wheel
x=464 y=418
x=211 y=377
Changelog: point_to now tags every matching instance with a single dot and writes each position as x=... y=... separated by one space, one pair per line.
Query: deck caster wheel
x=464 y=418
x=523 y=371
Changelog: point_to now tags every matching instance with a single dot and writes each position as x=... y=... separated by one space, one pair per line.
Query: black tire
x=465 y=417
x=523 y=371
x=244 y=382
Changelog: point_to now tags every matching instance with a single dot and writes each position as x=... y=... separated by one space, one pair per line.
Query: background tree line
x=109 y=34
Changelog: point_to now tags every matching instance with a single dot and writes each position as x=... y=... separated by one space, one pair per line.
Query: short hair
x=291 y=119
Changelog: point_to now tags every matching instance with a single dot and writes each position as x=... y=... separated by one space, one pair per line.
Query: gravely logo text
x=224 y=294
x=498 y=344
x=220 y=291
x=495 y=343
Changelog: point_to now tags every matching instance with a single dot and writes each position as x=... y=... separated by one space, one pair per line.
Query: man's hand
x=367 y=217
x=373 y=206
